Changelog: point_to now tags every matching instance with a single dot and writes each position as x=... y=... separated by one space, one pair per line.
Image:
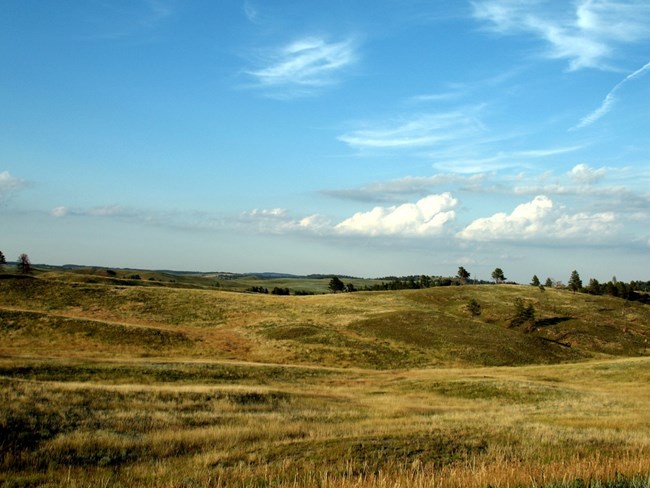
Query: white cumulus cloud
x=582 y=174
x=427 y=216
x=539 y=219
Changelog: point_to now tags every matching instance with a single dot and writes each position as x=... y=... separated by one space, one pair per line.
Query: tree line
x=634 y=290
x=23 y=264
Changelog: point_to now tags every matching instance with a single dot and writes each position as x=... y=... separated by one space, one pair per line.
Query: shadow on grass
x=551 y=321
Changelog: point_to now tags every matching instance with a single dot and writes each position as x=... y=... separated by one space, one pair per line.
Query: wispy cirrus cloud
x=460 y=162
x=304 y=66
x=420 y=130
x=251 y=11
x=457 y=140
x=388 y=191
x=121 y=212
x=586 y=33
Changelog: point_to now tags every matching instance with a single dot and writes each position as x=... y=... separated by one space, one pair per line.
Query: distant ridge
x=265 y=275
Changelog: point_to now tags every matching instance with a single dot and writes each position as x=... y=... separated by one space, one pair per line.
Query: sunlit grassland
x=124 y=386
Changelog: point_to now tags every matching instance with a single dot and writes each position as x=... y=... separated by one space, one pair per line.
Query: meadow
x=176 y=381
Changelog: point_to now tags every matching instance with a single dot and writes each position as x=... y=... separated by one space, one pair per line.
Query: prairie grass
x=454 y=427
x=151 y=386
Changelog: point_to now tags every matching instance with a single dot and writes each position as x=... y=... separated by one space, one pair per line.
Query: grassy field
x=185 y=384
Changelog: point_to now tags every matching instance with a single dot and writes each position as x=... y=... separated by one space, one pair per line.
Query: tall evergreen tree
x=575 y=283
x=594 y=287
x=535 y=281
x=3 y=260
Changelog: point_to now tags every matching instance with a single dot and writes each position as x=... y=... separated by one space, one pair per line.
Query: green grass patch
x=152 y=373
x=505 y=391
x=44 y=325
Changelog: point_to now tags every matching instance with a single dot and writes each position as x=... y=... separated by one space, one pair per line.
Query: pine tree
x=498 y=276
x=594 y=287
x=524 y=314
x=3 y=260
x=535 y=281
x=575 y=283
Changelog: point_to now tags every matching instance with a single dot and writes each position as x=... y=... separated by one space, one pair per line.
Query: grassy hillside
x=106 y=383
x=379 y=330
x=179 y=279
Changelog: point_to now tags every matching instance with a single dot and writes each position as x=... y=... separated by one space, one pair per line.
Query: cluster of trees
x=462 y=277
x=423 y=281
x=336 y=285
x=257 y=289
x=275 y=291
x=628 y=291
x=23 y=264
x=408 y=283
x=524 y=314
x=615 y=288
x=392 y=283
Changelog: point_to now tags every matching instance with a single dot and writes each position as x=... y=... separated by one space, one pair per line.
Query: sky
x=365 y=138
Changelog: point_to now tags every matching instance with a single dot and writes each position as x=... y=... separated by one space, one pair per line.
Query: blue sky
x=367 y=138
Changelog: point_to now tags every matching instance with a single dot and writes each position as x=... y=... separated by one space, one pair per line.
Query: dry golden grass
x=117 y=386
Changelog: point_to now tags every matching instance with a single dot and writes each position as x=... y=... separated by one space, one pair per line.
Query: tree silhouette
x=24 y=265
x=463 y=274
x=336 y=284
x=498 y=276
x=3 y=260
x=535 y=281
x=575 y=283
x=594 y=287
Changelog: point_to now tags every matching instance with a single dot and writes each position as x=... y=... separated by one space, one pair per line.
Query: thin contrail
x=609 y=100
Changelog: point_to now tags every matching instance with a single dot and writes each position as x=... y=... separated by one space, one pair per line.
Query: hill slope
x=379 y=330
x=109 y=384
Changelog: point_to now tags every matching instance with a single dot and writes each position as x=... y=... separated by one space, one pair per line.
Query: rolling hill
x=172 y=381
